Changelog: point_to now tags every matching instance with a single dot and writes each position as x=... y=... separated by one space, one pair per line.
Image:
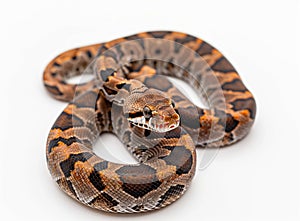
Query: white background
x=255 y=179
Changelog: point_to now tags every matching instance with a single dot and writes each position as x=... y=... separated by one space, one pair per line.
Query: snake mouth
x=151 y=125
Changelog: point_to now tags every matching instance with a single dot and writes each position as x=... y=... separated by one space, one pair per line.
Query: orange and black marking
x=121 y=91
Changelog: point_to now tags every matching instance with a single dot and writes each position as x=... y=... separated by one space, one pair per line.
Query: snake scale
x=131 y=97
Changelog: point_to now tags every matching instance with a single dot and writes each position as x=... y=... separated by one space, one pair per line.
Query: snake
x=131 y=95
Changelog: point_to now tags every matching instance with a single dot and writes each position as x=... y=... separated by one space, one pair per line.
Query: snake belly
x=166 y=161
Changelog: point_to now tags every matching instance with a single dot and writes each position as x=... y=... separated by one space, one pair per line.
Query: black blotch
x=231 y=123
x=186 y=39
x=53 y=143
x=96 y=180
x=106 y=73
x=119 y=86
x=111 y=201
x=190 y=116
x=181 y=158
x=101 y=166
x=204 y=49
x=157 y=51
x=245 y=104
x=124 y=86
x=138 y=180
x=106 y=199
x=127 y=87
x=88 y=99
x=56 y=64
x=147 y=133
x=67 y=166
x=223 y=65
x=136 y=114
x=53 y=90
x=235 y=85
x=89 y=54
x=66 y=121
x=159 y=34
x=74 y=57
x=158 y=82
x=131 y=37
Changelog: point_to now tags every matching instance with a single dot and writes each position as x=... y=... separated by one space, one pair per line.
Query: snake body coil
x=131 y=97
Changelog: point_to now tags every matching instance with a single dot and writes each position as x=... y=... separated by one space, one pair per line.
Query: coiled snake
x=131 y=97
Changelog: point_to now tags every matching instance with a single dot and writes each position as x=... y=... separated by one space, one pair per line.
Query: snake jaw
x=153 y=124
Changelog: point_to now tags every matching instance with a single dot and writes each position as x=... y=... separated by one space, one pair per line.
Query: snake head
x=151 y=110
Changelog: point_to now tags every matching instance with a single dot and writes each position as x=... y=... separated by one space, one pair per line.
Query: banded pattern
x=131 y=97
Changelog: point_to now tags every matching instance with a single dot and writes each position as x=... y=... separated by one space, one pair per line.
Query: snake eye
x=147 y=112
x=173 y=103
